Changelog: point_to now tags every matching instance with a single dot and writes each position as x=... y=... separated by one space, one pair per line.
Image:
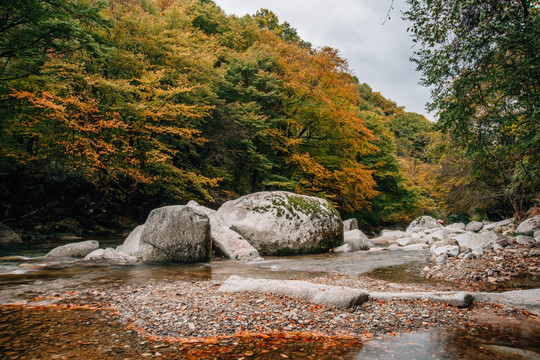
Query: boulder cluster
x=461 y=240
x=264 y=223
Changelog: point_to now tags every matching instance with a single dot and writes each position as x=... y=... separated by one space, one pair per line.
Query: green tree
x=482 y=61
x=33 y=30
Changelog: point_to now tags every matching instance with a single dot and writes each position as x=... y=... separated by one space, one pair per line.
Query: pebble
x=490 y=269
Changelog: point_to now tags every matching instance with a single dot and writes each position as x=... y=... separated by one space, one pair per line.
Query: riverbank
x=193 y=319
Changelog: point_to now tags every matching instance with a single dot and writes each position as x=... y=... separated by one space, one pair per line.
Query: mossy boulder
x=284 y=223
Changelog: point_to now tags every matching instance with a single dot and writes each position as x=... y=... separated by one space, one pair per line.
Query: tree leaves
x=482 y=63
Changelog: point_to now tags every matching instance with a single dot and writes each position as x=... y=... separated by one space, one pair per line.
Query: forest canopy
x=112 y=108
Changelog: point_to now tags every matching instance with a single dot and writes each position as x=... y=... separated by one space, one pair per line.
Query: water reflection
x=496 y=340
x=354 y=263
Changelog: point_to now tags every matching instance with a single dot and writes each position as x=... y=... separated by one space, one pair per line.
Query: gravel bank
x=169 y=310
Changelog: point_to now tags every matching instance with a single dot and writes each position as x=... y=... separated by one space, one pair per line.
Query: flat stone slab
x=524 y=299
x=458 y=299
x=333 y=296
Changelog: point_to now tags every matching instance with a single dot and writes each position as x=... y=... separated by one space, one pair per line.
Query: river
x=491 y=340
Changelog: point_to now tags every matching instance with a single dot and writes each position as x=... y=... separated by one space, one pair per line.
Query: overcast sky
x=378 y=54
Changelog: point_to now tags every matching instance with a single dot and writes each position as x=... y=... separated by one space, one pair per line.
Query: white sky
x=377 y=54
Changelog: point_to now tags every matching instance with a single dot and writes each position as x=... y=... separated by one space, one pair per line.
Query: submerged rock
x=75 y=250
x=176 y=234
x=283 y=223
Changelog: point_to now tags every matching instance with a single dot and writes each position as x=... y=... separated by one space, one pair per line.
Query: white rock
x=452 y=251
x=474 y=226
x=524 y=240
x=477 y=241
x=112 y=255
x=76 y=250
x=350 y=224
x=501 y=223
x=225 y=240
x=415 y=247
x=383 y=240
x=95 y=255
x=424 y=222
x=442 y=259
x=333 y=296
x=404 y=241
x=529 y=226
x=357 y=239
x=132 y=242
x=456 y=226
x=392 y=233
x=279 y=222
x=345 y=248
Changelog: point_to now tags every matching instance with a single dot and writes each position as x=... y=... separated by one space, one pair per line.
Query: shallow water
x=492 y=341
x=25 y=276
x=498 y=340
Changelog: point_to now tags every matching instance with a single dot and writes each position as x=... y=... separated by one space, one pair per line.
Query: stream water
x=491 y=341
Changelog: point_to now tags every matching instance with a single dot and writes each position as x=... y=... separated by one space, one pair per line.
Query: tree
x=482 y=60
x=33 y=30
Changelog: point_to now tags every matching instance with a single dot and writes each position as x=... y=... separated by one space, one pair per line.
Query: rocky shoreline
x=186 y=319
x=169 y=310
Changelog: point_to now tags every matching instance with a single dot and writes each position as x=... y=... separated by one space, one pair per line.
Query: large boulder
x=283 y=223
x=529 y=226
x=75 y=250
x=357 y=240
x=423 y=222
x=8 y=237
x=176 y=234
x=132 y=242
x=226 y=241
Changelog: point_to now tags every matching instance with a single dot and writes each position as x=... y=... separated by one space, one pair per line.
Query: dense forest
x=110 y=109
